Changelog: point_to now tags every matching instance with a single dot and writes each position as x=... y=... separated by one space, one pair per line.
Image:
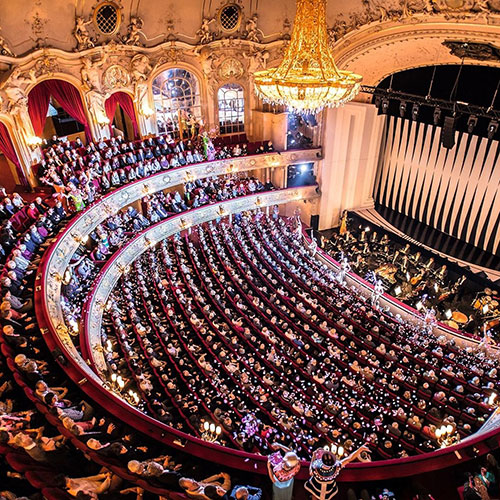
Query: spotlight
x=402 y=109
x=385 y=105
x=437 y=115
x=471 y=123
x=303 y=168
x=414 y=112
x=492 y=128
x=448 y=314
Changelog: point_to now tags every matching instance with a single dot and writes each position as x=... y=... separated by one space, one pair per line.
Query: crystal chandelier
x=307 y=79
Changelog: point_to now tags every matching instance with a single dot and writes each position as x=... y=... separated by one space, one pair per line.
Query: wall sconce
x=34 y=142
x=221 y=210
x=103 y=121
x=189 y=177
x=146 y=111
x=258 y=201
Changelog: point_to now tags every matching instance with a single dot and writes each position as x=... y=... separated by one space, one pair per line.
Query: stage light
x=448 y=314
x=414 y=111
x=303 y=168
x=402 y=109
x=385 y=105
x=492 y=128
x=437 y=115
x=397 y=291
x=471 y=123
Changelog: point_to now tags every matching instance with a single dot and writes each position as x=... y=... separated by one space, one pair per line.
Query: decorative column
x=99 y=122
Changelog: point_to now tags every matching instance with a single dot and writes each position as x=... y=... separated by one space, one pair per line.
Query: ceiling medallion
x=307 y=79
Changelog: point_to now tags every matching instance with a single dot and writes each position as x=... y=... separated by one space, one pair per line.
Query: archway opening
x=177 y=103
x=62 y=93
x=121 y=115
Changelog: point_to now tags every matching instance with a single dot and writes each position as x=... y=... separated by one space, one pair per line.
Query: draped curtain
x=7 y=148
x=126 y=104
x=65 y=94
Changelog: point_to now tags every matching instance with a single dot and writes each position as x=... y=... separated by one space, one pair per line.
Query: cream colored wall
x=351 y=148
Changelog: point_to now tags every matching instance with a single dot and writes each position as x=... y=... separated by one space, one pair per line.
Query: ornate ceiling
x=51 y=23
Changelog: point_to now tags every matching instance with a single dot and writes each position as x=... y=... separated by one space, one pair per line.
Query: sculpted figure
x=15 y=88
x=83 y=40
x=134 y=31
x=91 y=72
x=204 y=33
x=253 y=33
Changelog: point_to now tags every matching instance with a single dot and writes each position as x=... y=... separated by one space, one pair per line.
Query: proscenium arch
x=206 y=113
x=377 y=50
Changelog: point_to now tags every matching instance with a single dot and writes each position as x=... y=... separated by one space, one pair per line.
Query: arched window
x=231 y=109
x=176 y=94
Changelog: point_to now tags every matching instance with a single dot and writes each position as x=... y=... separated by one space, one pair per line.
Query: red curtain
x=126 y=104
x=7 y=148
x=65 y=94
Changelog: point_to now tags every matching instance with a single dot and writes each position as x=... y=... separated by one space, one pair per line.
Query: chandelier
x=307 y=79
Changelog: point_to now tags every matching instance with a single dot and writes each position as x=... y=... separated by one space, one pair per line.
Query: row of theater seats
x=77 y=425
x=326 y=367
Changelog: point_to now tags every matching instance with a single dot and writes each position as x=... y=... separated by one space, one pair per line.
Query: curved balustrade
x=50 y=316
x=48 y=290
x=58 y=258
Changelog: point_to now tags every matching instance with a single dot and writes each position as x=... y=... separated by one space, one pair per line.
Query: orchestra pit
x=250 y=250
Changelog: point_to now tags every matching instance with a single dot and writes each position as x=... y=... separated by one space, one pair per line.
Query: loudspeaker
x=314 y=222
x=448 y=132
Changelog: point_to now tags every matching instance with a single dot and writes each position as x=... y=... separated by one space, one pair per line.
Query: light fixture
x=34 y=142
x=446 y=435
x=303 y=168
x=492 y=128
x=338 y=451
x=211 y=432
x=103 y=120
x=485 y=309
x=471 y=123
x=146 y=111
x=402 y=109
x=414 y=111
x=397 y=291
x=419 y=305
x=448 y=314
x=367 y=229
x=437 y=115
x=307 y=80
x=385 y=105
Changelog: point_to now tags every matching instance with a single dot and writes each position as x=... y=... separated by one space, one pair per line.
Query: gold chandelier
x=307 y=79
